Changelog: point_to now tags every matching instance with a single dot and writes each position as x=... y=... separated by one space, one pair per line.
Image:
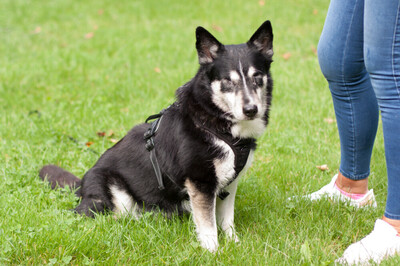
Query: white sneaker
x=331 y=192
x=380 y=244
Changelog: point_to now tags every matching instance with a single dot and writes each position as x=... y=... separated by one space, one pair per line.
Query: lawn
x=75 y=76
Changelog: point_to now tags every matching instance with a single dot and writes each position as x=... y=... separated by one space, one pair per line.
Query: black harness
x=240 y=147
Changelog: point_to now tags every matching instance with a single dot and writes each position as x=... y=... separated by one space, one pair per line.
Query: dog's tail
x=58 y=177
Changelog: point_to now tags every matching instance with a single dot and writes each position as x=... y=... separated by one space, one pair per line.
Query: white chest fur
x=248 y=128
x=225 y=165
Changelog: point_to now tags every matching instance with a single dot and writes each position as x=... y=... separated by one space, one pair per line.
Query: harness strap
x=156 y=167
x=149 y=138
x=155 y=116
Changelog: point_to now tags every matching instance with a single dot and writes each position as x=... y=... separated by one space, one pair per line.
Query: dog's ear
x=262 y=39
x=207 y=46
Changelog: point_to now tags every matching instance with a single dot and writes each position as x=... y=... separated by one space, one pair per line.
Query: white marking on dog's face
x=251 y=71
x=225 y=100
x=234 y=76
x=247 y=94
x=251 y=94
x=242 y=88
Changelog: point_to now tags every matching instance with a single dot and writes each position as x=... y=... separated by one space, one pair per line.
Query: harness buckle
x=148 y=134
x=149 y=144
x=223 y=194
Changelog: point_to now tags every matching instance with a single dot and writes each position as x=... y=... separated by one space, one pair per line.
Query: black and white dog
x=191 y=158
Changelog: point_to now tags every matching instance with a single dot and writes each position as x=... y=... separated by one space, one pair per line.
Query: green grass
x=75 y=68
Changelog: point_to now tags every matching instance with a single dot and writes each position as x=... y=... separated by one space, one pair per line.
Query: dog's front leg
x=203 y=210
x=225 y=212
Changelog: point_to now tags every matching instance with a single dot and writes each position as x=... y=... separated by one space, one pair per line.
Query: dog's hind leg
x=203 y=209
x=90 y=206
x=225 y=212
x=96 y=194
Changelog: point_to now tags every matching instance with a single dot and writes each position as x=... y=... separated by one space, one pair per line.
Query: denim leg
x=340 y=54
x=382 y=59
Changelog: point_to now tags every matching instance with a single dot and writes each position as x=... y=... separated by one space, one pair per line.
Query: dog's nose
x=250 y=110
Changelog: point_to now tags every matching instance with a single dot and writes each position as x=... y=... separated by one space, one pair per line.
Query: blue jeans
x=359 y=55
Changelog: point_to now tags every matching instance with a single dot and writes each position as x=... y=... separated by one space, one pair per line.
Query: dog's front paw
x=234 y=237
x=231 y=234
x=209 y=242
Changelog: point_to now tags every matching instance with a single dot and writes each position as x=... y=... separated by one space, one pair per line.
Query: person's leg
x=341 y=58
x=382 y=59
x=340 y=53
x=382 y=55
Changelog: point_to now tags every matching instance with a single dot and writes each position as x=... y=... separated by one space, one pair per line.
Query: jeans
x=359 y=55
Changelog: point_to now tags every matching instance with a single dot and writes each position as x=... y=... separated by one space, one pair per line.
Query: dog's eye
x=258 y=80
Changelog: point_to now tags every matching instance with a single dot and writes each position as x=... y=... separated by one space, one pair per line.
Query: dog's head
x=238 y=74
